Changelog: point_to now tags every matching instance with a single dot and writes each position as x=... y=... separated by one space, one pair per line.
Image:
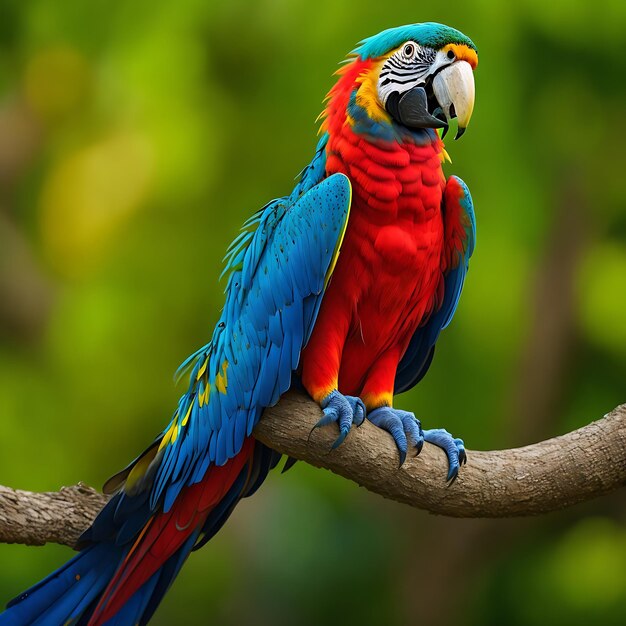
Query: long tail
x=123 y=584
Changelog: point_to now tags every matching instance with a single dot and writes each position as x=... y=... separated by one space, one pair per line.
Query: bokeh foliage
x=135 y=137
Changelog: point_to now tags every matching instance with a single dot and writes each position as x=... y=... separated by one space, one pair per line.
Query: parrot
x=340 y=289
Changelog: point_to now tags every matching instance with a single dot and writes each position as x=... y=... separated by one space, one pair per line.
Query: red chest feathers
x=390 y=260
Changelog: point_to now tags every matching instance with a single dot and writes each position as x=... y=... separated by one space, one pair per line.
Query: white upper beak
x=454 y=86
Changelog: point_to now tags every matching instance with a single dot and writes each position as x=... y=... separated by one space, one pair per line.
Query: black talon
x=402 y=458
x=452 y=479
x=316 y=426
x=342 y=435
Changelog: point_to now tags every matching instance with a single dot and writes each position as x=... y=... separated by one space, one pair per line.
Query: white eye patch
x=408 y=67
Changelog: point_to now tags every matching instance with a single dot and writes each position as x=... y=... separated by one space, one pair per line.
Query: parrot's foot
x=454 y=449
x=342 y=410
x=403 y=426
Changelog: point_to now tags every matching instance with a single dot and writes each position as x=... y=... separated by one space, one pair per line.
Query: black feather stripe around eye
x=397 y=63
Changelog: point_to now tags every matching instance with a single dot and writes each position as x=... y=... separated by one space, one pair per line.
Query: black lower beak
x=411 y=109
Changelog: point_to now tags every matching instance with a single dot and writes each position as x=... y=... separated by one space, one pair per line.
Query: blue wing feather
x=276 y=271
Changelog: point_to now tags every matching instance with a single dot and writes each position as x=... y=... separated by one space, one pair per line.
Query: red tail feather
x=165 y=533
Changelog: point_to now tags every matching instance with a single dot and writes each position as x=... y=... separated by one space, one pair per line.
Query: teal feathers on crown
x=429 y=34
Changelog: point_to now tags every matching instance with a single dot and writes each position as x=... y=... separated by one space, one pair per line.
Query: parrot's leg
x=320 y=370
x=378 y=396
x=403 y=426
x=406 y=429
x=453 y=447
x=342 y=410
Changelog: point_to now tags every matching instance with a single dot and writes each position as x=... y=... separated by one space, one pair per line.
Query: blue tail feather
x=71 y=594
x=64 y=594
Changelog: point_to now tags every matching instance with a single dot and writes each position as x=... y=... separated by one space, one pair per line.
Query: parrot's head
x=419 y=76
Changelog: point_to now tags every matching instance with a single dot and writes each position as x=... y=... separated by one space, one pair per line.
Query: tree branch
x=48 y=517
x=542 y=477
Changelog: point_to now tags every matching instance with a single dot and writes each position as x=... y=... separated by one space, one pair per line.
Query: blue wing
x=460 y=234
x=277 y=270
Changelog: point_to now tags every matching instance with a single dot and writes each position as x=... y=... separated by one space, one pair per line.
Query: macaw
x=343 y=286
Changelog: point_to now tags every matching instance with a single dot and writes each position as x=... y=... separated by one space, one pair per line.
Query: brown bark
x=48 y=517
x=542 y=477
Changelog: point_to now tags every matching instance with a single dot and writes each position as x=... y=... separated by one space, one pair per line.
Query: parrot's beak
x=454 y=89
x=446 y=95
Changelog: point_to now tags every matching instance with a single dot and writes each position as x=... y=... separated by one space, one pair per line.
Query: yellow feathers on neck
x=367 y=93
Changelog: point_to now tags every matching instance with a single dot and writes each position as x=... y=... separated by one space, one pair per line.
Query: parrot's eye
x=409 y=50
x=450 y=55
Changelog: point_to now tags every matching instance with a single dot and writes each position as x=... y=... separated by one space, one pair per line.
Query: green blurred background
x=135 y=138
